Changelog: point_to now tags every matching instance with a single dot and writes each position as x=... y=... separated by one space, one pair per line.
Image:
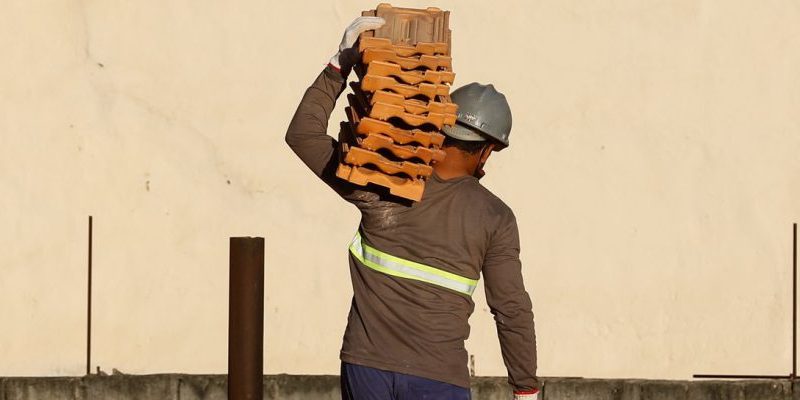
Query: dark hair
x=463 y=145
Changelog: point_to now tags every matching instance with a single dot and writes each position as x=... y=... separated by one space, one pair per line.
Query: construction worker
x=414 y=266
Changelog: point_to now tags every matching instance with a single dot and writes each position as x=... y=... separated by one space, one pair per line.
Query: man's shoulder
x=488 y=200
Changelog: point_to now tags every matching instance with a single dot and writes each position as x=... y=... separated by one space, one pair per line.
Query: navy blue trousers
x=365 y=383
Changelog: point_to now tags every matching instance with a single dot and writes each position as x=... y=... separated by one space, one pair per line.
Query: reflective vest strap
x=396 y=266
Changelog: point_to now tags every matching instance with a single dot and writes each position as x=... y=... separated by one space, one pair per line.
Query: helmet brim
x=461 y=132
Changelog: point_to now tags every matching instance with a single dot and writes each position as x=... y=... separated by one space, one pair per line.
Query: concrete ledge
x=300 y=387
x=326 y=387
x=40 y=388
x=203 y=387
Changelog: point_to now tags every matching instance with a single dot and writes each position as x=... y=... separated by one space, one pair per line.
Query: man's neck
x=455 y=165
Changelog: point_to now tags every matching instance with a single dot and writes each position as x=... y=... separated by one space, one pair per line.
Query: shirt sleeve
x=307 y=134
x=511 y=306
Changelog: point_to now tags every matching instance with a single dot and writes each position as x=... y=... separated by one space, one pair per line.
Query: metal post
x=89 y=306
x=246 y=319
x=794 y=300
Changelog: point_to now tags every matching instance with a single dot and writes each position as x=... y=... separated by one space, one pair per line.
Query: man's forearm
x=511 y=306
x=518 y=345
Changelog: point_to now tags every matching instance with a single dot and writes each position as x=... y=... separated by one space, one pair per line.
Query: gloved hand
x=347 y=56
x=526 y=394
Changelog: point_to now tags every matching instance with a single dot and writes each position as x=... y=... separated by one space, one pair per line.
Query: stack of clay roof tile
x=401 y=103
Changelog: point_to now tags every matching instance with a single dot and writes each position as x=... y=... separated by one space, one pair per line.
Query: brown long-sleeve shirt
x=409 y=326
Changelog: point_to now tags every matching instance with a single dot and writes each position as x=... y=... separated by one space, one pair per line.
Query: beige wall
x=654 y=171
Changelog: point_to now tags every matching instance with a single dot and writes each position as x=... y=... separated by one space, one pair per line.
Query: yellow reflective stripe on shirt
x=396 y=266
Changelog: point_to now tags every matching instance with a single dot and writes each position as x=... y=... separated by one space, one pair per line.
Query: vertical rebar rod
x=246 y=319
x=89 y=305
x=793 y=375
x=794 y=300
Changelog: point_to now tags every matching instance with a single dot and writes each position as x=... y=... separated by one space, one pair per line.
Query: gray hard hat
x=482 y=112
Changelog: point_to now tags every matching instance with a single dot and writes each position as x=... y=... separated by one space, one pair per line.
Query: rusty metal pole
x=89 y=305
x=246 y=319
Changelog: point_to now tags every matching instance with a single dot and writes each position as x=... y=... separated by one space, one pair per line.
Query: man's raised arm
x=307 y=133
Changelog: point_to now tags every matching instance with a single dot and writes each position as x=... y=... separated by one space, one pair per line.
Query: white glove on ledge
x=359 y=25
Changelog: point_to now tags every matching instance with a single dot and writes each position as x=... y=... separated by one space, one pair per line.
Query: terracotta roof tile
x=430 y=49
x=384 y=112
x=403 y=187
x=414 y=106
x=383 y=68
x=371 y=83
x=400 y=136
x=410 y=25
x=377 y=142
x=390 y=55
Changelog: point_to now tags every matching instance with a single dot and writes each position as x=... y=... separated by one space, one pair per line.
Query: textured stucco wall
x=654 y=172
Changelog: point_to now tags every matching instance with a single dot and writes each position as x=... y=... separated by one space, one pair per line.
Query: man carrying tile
x=414 y=266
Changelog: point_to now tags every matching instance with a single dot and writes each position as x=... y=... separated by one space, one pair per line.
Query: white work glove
x=347 y=56
x=527 y=395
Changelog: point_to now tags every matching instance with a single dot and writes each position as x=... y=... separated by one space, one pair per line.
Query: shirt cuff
x=334 y=72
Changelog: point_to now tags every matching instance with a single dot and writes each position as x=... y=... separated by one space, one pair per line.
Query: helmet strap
x=482 y=157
